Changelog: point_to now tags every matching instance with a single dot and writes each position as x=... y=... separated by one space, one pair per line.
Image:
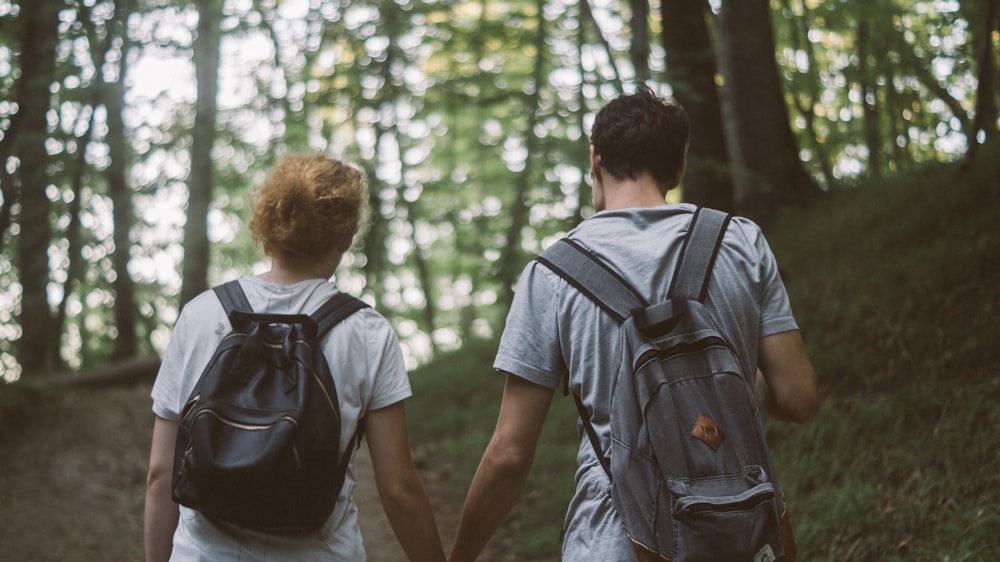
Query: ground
x=72 y=482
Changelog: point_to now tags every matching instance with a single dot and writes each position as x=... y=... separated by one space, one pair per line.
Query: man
x=638 y=147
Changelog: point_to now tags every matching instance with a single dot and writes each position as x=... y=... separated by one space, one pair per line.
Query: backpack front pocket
x=726 y=517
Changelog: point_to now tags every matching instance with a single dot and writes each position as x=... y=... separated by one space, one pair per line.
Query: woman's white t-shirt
x=369 y=373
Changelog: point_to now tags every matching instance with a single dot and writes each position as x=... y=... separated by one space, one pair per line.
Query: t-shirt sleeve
x=529 y=346
x=388 y=370
x=776 y=310
x=200 y=327
x=167 y=388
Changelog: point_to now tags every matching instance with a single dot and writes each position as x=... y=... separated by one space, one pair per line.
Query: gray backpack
x=691 y=474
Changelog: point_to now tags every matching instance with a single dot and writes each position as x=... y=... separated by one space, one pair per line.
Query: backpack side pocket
x=728 y=517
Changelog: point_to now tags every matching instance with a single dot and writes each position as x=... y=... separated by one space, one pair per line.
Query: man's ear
x=680 y=173
x=595 y=164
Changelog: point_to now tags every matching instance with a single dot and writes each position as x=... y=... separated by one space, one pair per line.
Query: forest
x=132 y=130
x=861 y=134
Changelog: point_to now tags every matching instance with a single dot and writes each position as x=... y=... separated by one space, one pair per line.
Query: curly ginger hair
x=308 y=208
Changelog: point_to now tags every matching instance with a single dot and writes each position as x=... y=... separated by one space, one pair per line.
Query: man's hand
x=504 y=467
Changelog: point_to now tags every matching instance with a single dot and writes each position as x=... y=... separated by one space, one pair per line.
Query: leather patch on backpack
x=708 y=431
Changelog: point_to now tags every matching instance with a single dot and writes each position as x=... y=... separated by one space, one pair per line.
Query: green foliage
x=874 y=86
x=463 y=114
x=895 y=288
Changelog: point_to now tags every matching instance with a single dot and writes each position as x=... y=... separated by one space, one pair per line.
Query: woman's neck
x=281 y=273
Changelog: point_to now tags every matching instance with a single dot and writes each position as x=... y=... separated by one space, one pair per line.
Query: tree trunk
x=38 y=46
x=584 y=192
x=74 y=230
x=639 y=48
x=984 y=126
x=428 y=316
x=588 y=15
x=127 y=342
x=377 y=227
x=805 y=101
x=206 y=61
x=869 y=100
x=691 y=71
x=511 y=260
x=762 y=148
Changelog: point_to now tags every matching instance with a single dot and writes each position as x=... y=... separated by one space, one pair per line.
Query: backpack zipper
x=745 y=503
x=315 y=375
x=679 y=350
x=248 y=427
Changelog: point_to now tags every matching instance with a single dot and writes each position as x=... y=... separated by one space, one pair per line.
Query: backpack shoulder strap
x=592 y=277
x=232 y=297
x=335 y=310
x=701 y=246
x=331 y=313
x=606 y=288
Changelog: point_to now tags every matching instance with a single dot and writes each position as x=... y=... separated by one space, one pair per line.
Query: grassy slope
x=896 y=290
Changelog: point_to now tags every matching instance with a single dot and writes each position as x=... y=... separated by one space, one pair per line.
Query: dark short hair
x=641 y=132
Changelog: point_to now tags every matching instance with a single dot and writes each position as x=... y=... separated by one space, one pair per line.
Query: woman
x=305 y=216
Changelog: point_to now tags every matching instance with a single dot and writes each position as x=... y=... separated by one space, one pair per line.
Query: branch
x=588 y=15
x=927 y=78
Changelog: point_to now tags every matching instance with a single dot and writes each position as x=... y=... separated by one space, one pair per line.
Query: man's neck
x=641 y=192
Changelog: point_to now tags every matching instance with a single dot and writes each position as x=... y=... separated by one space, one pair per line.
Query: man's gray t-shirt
x=552 y=329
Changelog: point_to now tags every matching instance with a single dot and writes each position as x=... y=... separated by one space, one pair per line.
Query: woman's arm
x=161 y=511
x=403 y=497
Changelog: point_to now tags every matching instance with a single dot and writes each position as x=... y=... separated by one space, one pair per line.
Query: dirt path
x=72 y=483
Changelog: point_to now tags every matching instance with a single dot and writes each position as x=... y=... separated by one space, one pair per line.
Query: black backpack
x=259 y=439
x=691 y=474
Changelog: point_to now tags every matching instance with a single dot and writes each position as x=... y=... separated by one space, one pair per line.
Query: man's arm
x=403 y=497
x=161 y=512
x=504 y=467
x=786 y=382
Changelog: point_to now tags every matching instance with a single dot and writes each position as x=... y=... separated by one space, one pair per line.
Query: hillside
x=895 y=286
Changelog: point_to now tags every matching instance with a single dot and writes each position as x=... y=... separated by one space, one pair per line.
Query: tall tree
x=869 y=97
x=512 y=253
x=205 y=52
x=762 y=148
x=588 y=15
x=691 y=71
x=127 y=341
x=984 y=124
x=805 y=92
x=38 y=56
x=584 y=192
x=393 y=97
x=639 y=46
x=75 y=268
